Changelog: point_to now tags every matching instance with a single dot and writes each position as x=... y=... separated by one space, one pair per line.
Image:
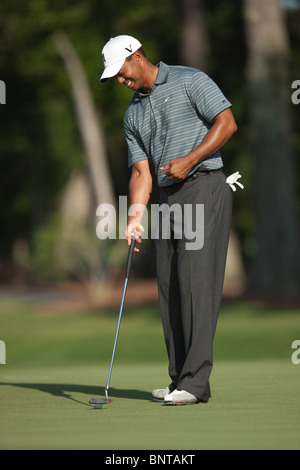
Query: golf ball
x=97 y=406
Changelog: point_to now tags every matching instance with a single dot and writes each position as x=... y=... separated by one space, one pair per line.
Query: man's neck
x=151 y=72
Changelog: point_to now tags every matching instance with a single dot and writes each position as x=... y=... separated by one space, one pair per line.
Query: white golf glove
x=233 y=179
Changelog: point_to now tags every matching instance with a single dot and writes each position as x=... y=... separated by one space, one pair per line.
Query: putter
x=98 y=402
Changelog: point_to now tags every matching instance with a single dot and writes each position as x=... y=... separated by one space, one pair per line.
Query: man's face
x=130 y=74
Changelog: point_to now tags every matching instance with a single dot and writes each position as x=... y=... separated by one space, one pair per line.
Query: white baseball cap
x=115 y=52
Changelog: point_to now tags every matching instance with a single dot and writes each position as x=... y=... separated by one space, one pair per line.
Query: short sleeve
x=136 y=149
x=207 y=97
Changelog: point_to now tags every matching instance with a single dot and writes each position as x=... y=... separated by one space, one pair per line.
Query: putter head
x=99 y=401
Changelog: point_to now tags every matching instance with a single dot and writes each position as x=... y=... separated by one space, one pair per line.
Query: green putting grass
x=254 y=406
x=55 y=364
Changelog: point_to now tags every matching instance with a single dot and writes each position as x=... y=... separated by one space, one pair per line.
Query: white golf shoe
x=160 y=393
x=180 y=397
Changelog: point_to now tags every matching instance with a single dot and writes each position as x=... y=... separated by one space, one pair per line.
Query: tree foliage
x=41 y=144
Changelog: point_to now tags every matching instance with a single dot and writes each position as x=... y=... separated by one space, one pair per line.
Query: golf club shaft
x=129 y=260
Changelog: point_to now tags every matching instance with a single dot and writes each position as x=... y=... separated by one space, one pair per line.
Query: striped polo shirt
x=173 y=119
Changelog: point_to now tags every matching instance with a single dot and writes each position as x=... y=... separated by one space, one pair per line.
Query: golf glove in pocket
x=233 y=179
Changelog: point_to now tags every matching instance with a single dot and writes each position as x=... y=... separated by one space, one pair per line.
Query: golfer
x=177 y=120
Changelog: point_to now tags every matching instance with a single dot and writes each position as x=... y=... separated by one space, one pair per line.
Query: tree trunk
x=194 y=38
x=276 y=263
x=88 y=121
x=84 y=255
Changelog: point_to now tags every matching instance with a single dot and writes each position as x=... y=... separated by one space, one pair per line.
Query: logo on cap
x=127 y=48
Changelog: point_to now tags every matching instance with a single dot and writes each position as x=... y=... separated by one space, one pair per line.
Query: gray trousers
x=190 y=281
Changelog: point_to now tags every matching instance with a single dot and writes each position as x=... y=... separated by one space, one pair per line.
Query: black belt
x=201 y=172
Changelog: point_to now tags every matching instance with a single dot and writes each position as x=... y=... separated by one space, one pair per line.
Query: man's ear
x=137 y=56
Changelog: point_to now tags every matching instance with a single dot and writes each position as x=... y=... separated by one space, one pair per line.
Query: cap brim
x=111 y=71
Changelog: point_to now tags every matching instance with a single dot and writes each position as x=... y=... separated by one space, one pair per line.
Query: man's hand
x=134 y=230
x=178 y=169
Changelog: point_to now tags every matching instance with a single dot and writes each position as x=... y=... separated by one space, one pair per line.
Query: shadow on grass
x=92 y=391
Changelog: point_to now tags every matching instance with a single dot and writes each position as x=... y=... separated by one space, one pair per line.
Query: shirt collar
x=163 y=72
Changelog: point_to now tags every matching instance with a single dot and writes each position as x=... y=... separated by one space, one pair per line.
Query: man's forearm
x=139 y=193
x=140 y=187
x=216 y=137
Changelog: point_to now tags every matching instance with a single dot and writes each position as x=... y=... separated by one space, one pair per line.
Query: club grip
x=130 y=256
